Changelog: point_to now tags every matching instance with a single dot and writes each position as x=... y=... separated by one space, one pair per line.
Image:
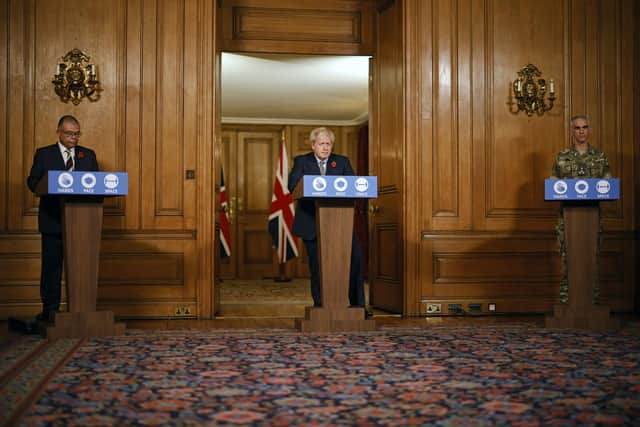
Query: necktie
x=69 y=164
x=323 y=169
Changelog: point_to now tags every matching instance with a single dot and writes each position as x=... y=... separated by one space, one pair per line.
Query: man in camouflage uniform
x=581 y=160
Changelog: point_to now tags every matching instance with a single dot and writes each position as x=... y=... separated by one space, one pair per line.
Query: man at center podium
x=321 y=161
x=65 y=154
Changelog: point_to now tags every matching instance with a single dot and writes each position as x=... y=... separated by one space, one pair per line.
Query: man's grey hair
x=574 y=118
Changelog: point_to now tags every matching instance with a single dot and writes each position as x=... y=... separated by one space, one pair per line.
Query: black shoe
x=368 y=314
x=23 y=326
x=44 y=316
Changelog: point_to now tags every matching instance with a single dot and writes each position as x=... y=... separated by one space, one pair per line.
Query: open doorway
x=268 y=99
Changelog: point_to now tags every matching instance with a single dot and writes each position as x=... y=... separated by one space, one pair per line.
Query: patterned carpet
x=498 y=375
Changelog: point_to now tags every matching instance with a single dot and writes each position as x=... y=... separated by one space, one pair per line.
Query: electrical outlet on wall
x=434 y=308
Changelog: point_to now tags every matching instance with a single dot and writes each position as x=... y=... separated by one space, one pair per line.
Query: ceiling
x=295 y=89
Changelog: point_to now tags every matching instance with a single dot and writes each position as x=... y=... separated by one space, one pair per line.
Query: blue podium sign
x=582 y=189
x=336 y=186
x=80 y=183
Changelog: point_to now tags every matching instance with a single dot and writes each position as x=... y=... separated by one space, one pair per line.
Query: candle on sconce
x=57 y=69
x=530 y=88
x=93 y=69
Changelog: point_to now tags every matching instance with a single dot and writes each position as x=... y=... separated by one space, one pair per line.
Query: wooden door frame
x=411 y=189
x=410 y=192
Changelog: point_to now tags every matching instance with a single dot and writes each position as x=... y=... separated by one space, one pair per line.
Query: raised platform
x=320 y=319
x=264 y=298
x=82 y=325
x=596 y=318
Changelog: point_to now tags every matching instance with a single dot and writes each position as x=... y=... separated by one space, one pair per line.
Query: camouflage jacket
x=570 y=163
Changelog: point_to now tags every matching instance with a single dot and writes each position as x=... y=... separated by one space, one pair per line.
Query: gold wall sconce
x=529 y=91
x=76 y=78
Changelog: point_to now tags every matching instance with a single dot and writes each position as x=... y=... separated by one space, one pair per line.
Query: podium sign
x=582 y=189
x=67 y=183
x=339 y=186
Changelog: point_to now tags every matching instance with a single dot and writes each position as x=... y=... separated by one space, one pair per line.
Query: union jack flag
x=225 y=229
x=282 y=212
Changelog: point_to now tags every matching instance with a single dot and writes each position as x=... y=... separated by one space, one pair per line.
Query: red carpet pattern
x=446 y=376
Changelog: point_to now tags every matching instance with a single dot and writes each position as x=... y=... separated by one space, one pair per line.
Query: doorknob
x=231 y=209
x=374 y=209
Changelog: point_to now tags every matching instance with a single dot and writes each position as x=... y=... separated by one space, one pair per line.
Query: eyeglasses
x=69 y=134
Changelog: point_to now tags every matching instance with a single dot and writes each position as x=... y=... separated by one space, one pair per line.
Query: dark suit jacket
x=304 y=223
x=46 y=159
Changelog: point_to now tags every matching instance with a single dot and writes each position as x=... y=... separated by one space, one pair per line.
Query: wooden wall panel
x=4 y=164
x=20 y=272
x=585 y=47
x=289 y=26
x=21 y=278
x=390 y=76
x=602 y=75
x=348 y=140
x=154 y=120
x=444 y=104
x=451 y=149
x=526 y=268
x=101 y=122
x=510 y=268
x=20 y=205
x=142 y=267
x=169 y=140
x=257 y=248
x=129 y=139
x=517 y=151
x=445 y=83
x=153 y=268
x=632 y=88
x=389 y=268
x=387 y=292
x=257 y=157
x=32 y=58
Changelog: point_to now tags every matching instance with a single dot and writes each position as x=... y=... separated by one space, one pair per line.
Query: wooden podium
x=581 y=212
x=581 y=228
x=81 y=234
x=334 y=230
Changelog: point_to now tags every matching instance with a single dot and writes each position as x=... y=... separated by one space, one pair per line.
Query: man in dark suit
x=66 y=154
x=321 y=161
